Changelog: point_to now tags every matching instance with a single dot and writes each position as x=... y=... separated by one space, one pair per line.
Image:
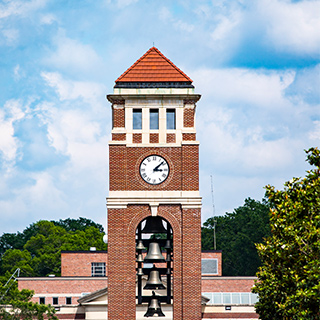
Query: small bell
x=168 y=245
x=168 y=258
x=140 y=258
x=168 y=271
x=140 y=272
x=154 y=307
x=154 y=253
x=140 y=245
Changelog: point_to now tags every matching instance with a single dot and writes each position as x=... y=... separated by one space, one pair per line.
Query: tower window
x=42 y=300
x=154 y=119
x=137 y=119
x=171 y=119
x=98 y=269
x=55 y=300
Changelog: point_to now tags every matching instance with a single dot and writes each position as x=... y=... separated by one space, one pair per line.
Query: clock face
x=154 y=169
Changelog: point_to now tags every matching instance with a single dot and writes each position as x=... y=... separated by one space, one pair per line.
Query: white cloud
x=291 y=27
x=20 y=8
x=72 y=55
x=11 y=112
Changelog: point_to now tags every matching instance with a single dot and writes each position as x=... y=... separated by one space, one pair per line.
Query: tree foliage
x=16 y=304
x=236 y=235
x=289 y=279
x=36 y=251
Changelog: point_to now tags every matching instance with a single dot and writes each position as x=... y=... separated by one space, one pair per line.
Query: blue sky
x=256 y=64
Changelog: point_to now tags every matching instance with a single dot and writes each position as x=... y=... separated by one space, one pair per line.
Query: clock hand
x=157 y=167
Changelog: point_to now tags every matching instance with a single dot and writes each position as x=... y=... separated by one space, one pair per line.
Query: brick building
x=153 y=189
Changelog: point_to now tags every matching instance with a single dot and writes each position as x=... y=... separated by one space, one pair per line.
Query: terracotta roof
x=153 y=66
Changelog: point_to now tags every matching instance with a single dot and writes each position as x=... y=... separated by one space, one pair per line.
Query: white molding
x=120 y=199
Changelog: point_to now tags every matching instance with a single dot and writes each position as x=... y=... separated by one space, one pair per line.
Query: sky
x=255 y=63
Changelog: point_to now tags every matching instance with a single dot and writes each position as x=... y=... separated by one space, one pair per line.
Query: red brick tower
x=154 y=172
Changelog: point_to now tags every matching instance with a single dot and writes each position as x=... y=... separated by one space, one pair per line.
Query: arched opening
x=154 y=255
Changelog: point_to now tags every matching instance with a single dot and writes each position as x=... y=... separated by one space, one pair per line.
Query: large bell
x=154 y=281
x=154 y=225
x=154 y=253
x=154 y=307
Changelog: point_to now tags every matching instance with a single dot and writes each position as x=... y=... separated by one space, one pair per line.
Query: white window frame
x=95 y=269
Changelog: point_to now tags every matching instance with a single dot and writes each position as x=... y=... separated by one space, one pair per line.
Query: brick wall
x=188 y=117
x=62 y=287
x=118 y=117
x=125 y=162
x=227 y=284
x=78 y=264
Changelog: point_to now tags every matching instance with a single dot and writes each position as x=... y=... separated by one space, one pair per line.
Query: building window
x=42 y=300
x=98 y=269
x=137 y=119
x=171 y=119
x=55 y=300
x=154 y=119
x=209 y=266
x=68 y=300
x=227 y=298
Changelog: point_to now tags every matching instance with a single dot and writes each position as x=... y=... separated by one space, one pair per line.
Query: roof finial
x=153 y=43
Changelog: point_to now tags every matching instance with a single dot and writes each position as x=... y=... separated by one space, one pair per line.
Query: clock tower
x=154 y=206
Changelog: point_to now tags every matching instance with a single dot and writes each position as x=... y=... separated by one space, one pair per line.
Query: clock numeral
x=165 y=169
x=148 y=179
x=149 y=159
x=144 y=163
x=164 y=175
x=154 y=158
x=160 y=179
x=154 y=181
x=144 y=175
x=143 y=170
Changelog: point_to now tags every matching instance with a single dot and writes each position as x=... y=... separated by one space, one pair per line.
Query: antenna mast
x=213 y=214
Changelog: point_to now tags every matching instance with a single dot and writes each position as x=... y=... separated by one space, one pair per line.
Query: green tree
x=17 y=305
x=78 y=224
x=236 y=235
x=40 y=255
x=289 y=279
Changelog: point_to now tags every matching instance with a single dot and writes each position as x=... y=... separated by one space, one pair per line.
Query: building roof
x=153 y=66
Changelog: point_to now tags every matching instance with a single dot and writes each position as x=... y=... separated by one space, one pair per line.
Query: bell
x=154 y=281
x=140 y=258
x=154 y=307
x=140 y=272
x=154 y=253
x=140 y=245
x=168 y=245
x=154 y=225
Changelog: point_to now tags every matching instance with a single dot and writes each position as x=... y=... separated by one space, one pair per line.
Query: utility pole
x=213 y=214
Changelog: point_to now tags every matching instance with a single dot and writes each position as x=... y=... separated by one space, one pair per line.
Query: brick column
x=191 y=266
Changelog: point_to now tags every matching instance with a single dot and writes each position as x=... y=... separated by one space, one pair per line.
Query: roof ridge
x=167 y=59
x=182 y=77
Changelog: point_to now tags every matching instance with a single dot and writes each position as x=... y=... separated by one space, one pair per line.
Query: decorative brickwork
x=154 y=138
x=171 y=137
x=188 y=117
x=137 y=138
x=118 y=117
x=189 y=136
x=118 y=136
